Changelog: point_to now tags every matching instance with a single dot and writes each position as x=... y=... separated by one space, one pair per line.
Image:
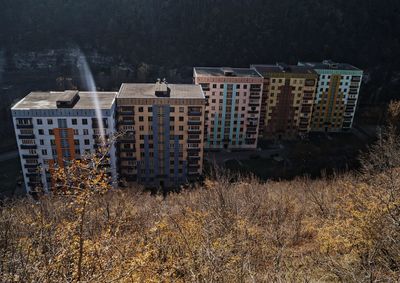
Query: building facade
x=54 y=127
x=164 y=133
x=336 y=97
x=287 y=100
x=233 y=100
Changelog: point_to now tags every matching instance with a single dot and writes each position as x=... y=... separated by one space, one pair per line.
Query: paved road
x=8 y=155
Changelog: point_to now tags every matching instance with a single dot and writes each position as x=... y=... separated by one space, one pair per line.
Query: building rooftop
x=51 y=100
x=283 y=68
x=226 y=72
x=158 y=89
x=329 y=65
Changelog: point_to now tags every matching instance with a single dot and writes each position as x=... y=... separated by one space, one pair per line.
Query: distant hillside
x=177 y=34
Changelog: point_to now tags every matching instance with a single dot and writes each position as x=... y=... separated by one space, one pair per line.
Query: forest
x=210 y=32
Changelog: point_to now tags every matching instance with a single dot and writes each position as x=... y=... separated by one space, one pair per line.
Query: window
x=76 y=142
x=44 y=151
x=84 y=121
x=141 y=128
x=49 y=122
x=51 y=132
x=172 y=109
x=171 y=119
x=181 y=109
x=181 y=119
x=140 y=109
x=150 y=109
x=87 y=142
x=39 y=121
x=52 y=142
x=150 y=118
x=41 y=142
x=85 y=132
x=41 y=132
x=141 y=119
x=77 y=151
x=74 y=122
x=76 y=132
x=180 y=128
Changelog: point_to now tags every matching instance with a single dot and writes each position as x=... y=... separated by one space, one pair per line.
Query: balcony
x=24 y=126
x=28 y=146
x=194 y=132
x=34 y=184
x=34 y=156
x=126 y=122
x=30 y=175
x=128 y=139
x=194 y=113
x=127 y=150
x=126 y=113
x=193 y=150
x=26 y=137
x=194 y=123
x=127 y=158
x=30 y=166
x=194 y=140
x=194 y=158
x=250 y=140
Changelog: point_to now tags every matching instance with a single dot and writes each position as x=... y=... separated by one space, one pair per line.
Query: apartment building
x=337 y=94
x=164 y=132
x=54 y=127
x=287 y=100
x=233 y=100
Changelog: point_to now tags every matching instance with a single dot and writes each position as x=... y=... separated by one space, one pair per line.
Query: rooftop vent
x=162 y=89
x=228 y=72
x=330 y=63
x=285 y=67
x=68 y=99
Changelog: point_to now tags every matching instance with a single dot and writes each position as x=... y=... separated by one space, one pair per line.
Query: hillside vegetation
x=342 y=229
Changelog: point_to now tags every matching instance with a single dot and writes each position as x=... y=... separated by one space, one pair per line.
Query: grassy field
x=9 y=176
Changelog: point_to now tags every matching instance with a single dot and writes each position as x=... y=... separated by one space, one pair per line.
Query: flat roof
x=187 y=91
x=329 y=65
x=48 y=100
x=221 y=72
x=283 y=68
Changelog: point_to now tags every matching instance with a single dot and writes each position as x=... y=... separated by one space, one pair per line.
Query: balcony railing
x=24 y=126
x=194 y=113
x=28 y=146
x=30 y=156
x=32 y=136
x=194 y=123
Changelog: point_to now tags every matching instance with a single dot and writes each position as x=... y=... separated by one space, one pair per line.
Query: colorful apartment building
x=233 y=100
x=54 y=127
x=287 y=100
x=164 y=133
x=337 y=94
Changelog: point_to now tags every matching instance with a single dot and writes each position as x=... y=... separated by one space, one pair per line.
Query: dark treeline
x=210 y=32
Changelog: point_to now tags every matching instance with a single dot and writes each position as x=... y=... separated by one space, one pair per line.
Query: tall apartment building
x=336 y=97
x=55 y=127
x=164 y=126
x=287 y=100
x=233 y=99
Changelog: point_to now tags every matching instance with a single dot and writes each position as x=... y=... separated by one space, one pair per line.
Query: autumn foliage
x=342 y=229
